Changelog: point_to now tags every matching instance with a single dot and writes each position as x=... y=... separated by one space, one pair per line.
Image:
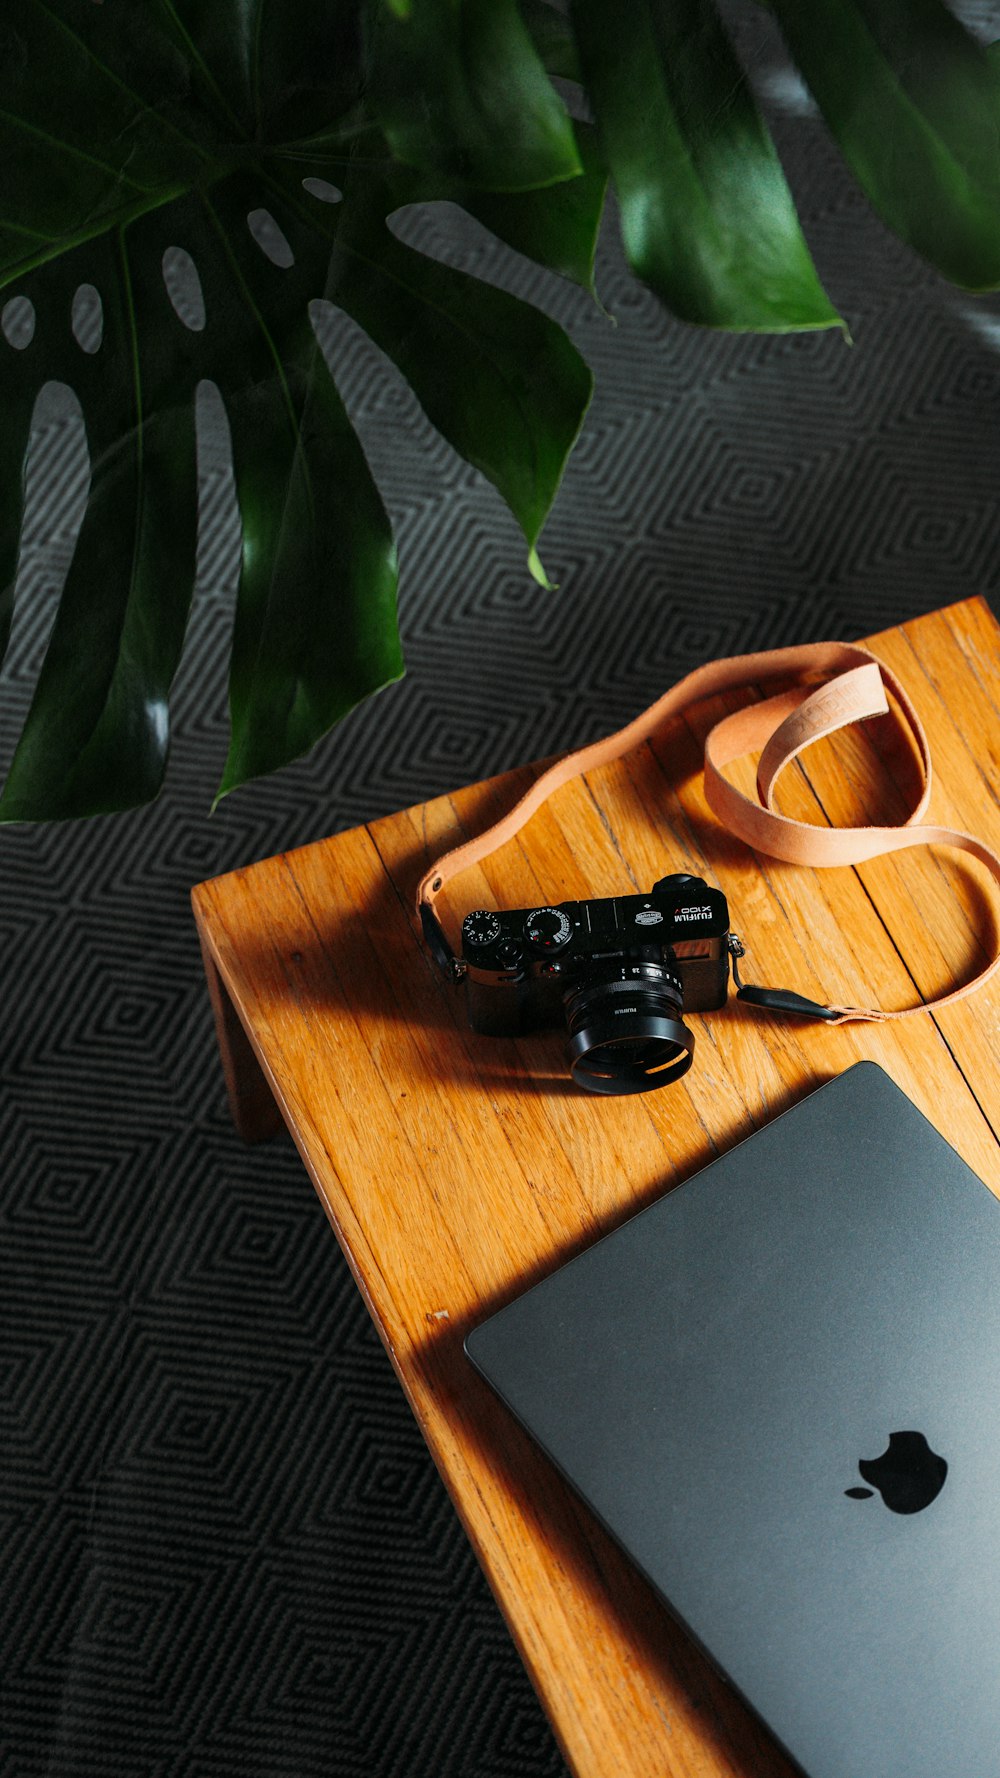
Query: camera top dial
x=480 y=928
x=548 y=929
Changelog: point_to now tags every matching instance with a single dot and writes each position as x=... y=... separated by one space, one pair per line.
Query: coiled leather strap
x=779 y=728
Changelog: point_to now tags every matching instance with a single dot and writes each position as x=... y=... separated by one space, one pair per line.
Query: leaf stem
x=288 y=152
x=200 y=63
x=358 y=124
x=258 y=27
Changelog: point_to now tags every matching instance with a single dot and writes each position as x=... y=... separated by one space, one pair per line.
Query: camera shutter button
x=673 y=884
x=509 y=954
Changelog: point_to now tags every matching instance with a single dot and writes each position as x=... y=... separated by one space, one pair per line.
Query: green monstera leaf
x=708 y=220
x=268 y=144
x=203 y=128
x=921 y=129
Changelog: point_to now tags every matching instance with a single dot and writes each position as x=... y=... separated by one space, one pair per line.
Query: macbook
x=779 y=1388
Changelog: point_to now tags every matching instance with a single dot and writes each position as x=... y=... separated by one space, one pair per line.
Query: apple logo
x=909 y=1475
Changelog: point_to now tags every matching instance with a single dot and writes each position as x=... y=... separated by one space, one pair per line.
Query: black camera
x=620 y=971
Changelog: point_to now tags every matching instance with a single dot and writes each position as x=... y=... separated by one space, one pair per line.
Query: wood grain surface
x=457 y=1169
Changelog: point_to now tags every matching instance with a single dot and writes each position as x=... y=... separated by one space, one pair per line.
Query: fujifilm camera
x=620 y=972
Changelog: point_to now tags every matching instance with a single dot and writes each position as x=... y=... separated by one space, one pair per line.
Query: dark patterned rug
x=225 y=1549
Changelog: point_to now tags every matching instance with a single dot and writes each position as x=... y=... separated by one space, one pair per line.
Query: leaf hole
x=322 y=189
x=442 y=231
x=18 y=322
x=88 y=319
x=183 y=286
x=369 y=384
x=270 y=239
x=56 y=490
x=220 y=529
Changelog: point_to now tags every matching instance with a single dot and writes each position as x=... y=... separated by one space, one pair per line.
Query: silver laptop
x=779 y=1388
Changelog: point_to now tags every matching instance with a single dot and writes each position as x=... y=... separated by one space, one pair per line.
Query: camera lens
x=626 y=1033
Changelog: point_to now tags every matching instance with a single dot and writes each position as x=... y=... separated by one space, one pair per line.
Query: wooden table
x=457 y=1169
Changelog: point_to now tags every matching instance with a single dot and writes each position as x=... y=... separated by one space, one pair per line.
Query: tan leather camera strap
x=853 y=689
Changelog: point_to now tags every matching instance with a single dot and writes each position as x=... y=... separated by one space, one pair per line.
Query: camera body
x=523 y=966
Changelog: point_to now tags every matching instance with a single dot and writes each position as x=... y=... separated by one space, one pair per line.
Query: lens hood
x=617 y=1049
x=661 y=1050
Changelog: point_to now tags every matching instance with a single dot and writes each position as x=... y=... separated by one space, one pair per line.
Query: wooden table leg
x=251 y=1101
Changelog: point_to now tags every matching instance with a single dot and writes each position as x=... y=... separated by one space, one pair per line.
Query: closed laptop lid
x=779 y=1389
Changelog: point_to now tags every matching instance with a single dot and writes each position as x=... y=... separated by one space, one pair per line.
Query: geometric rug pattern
x=224 y=1547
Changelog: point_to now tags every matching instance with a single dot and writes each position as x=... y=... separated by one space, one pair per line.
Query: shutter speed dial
x=548 y=929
